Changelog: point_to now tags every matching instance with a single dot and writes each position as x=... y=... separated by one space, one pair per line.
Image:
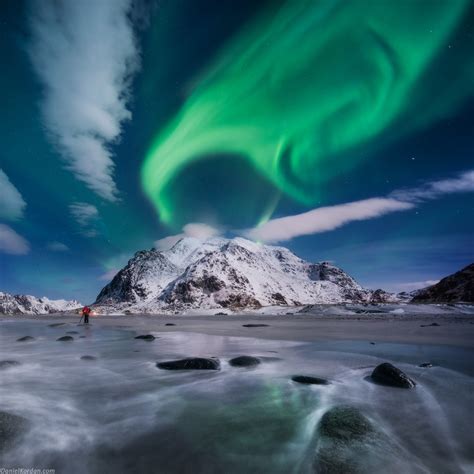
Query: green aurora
x=300 y=88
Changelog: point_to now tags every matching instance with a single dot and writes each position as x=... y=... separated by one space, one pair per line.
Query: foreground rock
x=11 y=427
x=308 y=380
x=65 y=339
x=191 y=363
x=244 y=361
x=345 y=442
x=146 y=337
x=6 y=364
x=255 y=325
x=388 y=374
x=88 y=357
x=26 y=339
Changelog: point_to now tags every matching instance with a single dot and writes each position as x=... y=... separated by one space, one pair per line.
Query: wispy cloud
x=196 y=230
x=85 y=54
x=87 y=216
x=414 y=285
x=12 y=204
x=328 y=218
x=57 y=247
x=11 y=242
x=325 y=219
x=436 y=189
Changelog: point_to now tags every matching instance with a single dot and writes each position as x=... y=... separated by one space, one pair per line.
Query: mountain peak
x=226 y=273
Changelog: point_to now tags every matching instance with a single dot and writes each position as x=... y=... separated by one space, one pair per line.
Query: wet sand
x=453 y=330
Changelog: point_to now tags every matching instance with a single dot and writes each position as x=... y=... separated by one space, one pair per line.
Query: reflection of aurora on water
x=120 y=413
x=302 y=87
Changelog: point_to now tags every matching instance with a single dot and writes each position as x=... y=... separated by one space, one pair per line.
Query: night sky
x=341 y=130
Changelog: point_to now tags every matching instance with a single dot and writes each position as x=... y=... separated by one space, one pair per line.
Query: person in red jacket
x=85 y=313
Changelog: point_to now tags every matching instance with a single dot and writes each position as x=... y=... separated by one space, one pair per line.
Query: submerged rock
x=170 y=324
x=88 y=357
x=309 y=380
x=426 y=365
x=191 y=363
x=11 y=427
x=72 y=332
x=65 y=339
x=146 y=337
x=56 y=325
x=6 y=364
x=344 y=423
x=26 y=339
x=244 y=361
x=428 y=325
x=255 y=325
x=388 y=374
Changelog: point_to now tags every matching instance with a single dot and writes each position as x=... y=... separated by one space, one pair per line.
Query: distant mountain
x=458 y=287
x=26 y=304
x=227 y=273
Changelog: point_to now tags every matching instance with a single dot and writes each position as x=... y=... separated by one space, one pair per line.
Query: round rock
x=388 y=374
x=26 y=339
x=6 y=364
x=244 y=361
x=65 y=339
x=309 y=380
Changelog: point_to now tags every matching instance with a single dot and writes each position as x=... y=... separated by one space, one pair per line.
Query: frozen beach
x=116 y=411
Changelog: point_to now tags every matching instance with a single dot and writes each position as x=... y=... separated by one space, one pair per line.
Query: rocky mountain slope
x=26 y=304
x=227 y=273
x=458 y=287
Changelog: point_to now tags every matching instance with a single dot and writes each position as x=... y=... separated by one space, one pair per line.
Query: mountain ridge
x=227 y=273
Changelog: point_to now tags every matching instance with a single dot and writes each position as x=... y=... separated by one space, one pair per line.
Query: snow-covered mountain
x=27 y=304
x=227 y=273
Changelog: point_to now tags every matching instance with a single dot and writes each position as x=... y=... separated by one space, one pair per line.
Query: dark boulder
x=388 y=374
x=6 y=364
x=244 y=361
x=26 y=339
x=429 y=325
x=65 y=339
x=426 y=365
x=344 y=423
x=11 y=427
x=146 y=337
x=56 y=325
x=170 y=324
x=88 y=357
x=191 y=363
x=220 y=314
x=308 y=380
x=72 y=332
x=255 y=325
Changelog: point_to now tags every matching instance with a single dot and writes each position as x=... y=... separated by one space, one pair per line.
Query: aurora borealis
x=305 y=84
x=231 y=114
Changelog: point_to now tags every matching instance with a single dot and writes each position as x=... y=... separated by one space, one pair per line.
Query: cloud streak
x=12 y=204
x=87 y=216
x=328 y=218
x=11 y=242
x=195 y=230
x=85 y=54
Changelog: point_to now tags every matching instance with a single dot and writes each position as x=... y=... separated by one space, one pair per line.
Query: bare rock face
x=458 y=287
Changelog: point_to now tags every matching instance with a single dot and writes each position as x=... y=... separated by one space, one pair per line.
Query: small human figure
x=85 y=313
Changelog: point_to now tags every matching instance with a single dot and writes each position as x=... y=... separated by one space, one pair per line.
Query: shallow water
x=120 y=413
